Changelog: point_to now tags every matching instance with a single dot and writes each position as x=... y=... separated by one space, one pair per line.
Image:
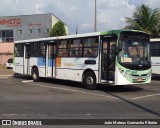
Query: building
x=13 y=28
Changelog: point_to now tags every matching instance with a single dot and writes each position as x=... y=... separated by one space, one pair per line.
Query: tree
x=145 y=19
x=58 y=29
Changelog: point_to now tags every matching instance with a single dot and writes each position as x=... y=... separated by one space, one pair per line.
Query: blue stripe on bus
x=41 y=61
x=50 y=62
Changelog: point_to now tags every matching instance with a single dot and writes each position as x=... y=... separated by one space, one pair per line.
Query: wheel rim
x=89 y=80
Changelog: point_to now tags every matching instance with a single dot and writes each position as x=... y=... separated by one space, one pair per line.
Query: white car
x=9 y=63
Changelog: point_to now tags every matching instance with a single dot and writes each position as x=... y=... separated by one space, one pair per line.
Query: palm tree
x=145 y=19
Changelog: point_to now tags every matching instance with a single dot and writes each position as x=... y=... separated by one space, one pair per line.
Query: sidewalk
x=5 y=72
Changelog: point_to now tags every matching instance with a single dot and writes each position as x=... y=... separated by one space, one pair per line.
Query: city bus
x=116 y=57
x=155 y=55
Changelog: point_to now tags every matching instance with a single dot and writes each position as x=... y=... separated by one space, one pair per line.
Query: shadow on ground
x=100 y=87
x=156 y=78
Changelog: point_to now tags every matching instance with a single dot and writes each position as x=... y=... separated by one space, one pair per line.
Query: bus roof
x=59 y=37
x=77 y=36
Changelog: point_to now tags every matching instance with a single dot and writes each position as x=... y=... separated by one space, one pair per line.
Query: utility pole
x=76 y=29
x=95 y=20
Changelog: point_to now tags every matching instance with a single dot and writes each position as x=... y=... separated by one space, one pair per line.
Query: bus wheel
x=35 y=75
x=89 y=81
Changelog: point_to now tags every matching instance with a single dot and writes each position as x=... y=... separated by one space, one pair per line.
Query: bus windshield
x=134 y=54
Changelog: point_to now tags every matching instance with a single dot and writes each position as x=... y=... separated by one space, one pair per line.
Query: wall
x=6 y=51
x=6 y=47
x=4 y=58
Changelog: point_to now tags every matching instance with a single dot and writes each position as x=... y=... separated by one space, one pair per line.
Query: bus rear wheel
x=35 y=75
x=89 y=81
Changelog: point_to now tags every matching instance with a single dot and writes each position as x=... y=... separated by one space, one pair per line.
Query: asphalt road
x=20 y=98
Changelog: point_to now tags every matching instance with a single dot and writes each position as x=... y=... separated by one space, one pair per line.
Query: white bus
x=155 y=55
x=117 y=57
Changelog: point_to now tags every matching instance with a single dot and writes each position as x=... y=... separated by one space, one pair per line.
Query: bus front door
x=50 y=61
x=27 y=59
x=108 y=56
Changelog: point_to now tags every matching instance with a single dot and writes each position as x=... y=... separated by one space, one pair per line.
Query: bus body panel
x=155 y=55
x=73 y=68
x=73 y=75
x=42 y=71
x=33 y=61
x=155 y=65
x=126 y=78
x=18 y=65
x=120 y=79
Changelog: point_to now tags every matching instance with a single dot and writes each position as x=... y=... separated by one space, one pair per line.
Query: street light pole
x=95 y=20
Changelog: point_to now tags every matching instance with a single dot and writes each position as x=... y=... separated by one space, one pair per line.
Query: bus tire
x=35 y=75
x=89 y=81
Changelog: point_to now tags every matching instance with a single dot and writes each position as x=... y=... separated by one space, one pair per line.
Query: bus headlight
x=121 y=71
x=149 y=75
x=129 y=75
x=124 y=73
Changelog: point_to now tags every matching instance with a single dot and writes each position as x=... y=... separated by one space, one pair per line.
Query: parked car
x=9 y=63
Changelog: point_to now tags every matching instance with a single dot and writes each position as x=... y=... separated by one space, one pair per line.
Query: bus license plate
x=139 y=80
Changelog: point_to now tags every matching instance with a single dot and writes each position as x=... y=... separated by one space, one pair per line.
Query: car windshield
x=134 y=52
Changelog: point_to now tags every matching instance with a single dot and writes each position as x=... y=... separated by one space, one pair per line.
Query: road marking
x=145 y=96
x=155 y=89
x=27 y=81
x=3 y=77
x=41 y=115
x=71 y=90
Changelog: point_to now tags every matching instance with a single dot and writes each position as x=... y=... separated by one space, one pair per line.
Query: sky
x=79 y=13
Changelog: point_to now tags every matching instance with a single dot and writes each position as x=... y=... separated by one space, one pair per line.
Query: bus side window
x=73 y=52
x=89 y=53
x=91 y=46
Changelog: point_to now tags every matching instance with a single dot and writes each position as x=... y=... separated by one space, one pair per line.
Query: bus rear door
x=27 y=51
x=50 y=61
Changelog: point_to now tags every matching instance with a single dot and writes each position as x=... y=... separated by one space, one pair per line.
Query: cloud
x=153 y=3
x=110 y=13
x=39 y=8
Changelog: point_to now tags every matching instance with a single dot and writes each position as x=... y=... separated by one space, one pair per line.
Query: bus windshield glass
x=134 y=54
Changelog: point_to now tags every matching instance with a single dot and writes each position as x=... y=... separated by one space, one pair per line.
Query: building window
x=30 y=31
x=20 y=32
x=6 y=36
x=9 y=33
x=47 y=30
x=39 y=30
